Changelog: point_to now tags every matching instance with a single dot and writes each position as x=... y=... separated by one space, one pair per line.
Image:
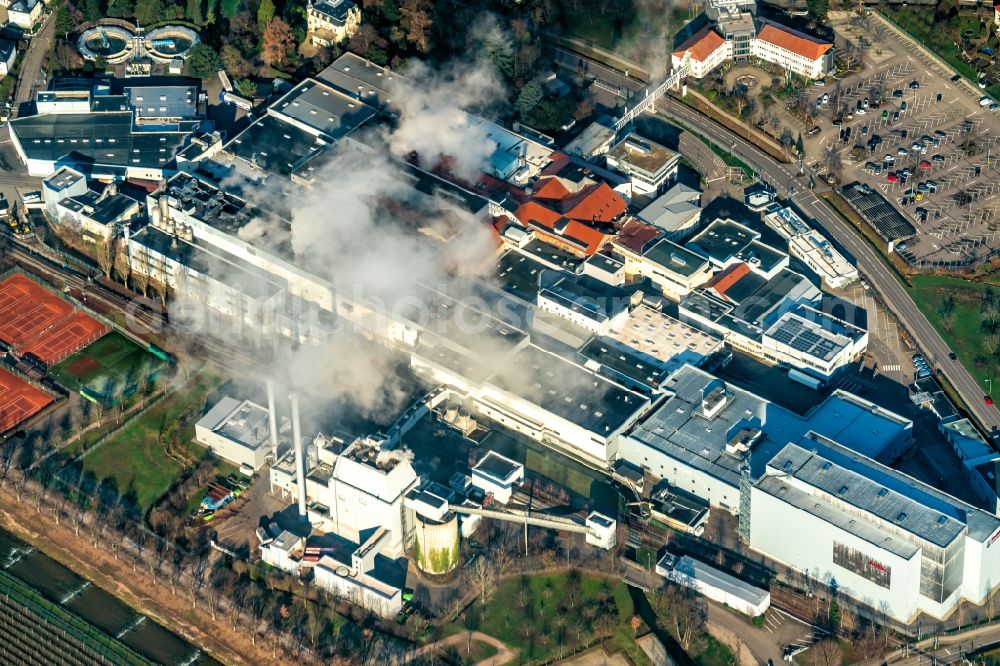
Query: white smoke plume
x=433 y=122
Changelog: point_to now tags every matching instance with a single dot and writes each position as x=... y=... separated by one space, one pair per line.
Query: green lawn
x=548 y=616
x=713 y=653
x=966 y=337
x=939 y=37
x=136 y=457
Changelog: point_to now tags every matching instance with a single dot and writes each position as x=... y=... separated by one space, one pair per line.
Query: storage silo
x=436 y=543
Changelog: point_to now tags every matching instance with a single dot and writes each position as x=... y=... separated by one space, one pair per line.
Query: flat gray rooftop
x=497 y=466
x=722 y=240
x=568 y=390
x=275 y=146
x=362 y=78
x=902 y=510
x=323 y=108
x=675 y=258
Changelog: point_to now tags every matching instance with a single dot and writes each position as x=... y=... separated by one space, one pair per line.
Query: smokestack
x=300 y=454
x=273 y=418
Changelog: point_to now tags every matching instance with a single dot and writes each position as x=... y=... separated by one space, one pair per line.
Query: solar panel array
x=878 y=212
x=801 y=337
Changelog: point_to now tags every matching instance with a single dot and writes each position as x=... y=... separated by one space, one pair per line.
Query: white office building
x=812 y=248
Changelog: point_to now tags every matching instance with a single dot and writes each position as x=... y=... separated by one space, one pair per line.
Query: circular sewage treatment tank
x=169 y=42
x=112 y=43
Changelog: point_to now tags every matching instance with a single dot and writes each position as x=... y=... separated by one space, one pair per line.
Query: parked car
x=957 y=77
x=892 y=178
x=940 y=134
x=914 y=84
x=885 y=115
x=897 y=93
x=985 y=100
x=902 y=152
x=924 y=164
x=902 y=106
x=938 y=158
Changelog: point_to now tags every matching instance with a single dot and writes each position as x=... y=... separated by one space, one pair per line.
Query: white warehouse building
x=883 y=537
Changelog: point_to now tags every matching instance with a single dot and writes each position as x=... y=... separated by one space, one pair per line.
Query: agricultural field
x=35 y=630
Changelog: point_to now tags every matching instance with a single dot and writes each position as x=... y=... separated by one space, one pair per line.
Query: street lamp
x=989 y=383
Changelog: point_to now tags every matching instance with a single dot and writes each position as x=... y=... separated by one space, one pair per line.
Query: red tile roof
x=636 y=236
x=556 y=227
x=598 y=204
x=702 y=44
x=552 y=189
x=727 y=278
x=793 y=41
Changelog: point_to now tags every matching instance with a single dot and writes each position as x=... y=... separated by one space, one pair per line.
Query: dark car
x=914 y=84
x=953 y=356
x=957 y=77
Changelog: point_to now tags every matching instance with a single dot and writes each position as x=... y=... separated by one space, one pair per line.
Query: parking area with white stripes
x=925 y=141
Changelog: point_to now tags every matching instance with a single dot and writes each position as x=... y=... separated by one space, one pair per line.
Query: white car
x=985 y=100
x=861 y=112
x=890 y=158
x=902 y=152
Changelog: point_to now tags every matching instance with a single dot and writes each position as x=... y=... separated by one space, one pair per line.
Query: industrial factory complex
x=597 y=329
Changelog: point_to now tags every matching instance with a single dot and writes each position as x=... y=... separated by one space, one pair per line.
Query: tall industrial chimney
x=273 y=418
x=300 y=454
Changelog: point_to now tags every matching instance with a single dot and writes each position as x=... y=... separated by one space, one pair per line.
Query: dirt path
x=136 y=588
x=503 y=655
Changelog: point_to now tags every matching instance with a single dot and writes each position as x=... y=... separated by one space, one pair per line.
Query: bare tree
x=159 y=287
x=683 y=611
x=826 y=653
x=123 y=263
x=105 y=256
x=484 y=575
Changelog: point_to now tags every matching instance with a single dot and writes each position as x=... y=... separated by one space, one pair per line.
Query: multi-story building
x=25 y=13
x=99 y=135
x=352 y=488
x=812 y=248
x=726 y=243
x=704 y=51
x=737 y=38
x=650 y=166
x=702 y=435
x=332 y=21
x=8 y=54
x=887 y=540
x=793 y=50
x=97 y=215
x=674 y=269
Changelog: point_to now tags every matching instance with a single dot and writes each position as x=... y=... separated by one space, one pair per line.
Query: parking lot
x=904 y=126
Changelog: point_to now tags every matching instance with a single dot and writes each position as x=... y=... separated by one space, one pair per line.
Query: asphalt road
x=783 y=178
x=31 y=64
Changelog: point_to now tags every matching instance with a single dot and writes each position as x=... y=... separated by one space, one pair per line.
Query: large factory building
x=883 y=537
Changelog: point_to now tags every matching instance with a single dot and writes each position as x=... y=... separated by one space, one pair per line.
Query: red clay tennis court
x=26 y=309
x=19 y=400
x=67 y=337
